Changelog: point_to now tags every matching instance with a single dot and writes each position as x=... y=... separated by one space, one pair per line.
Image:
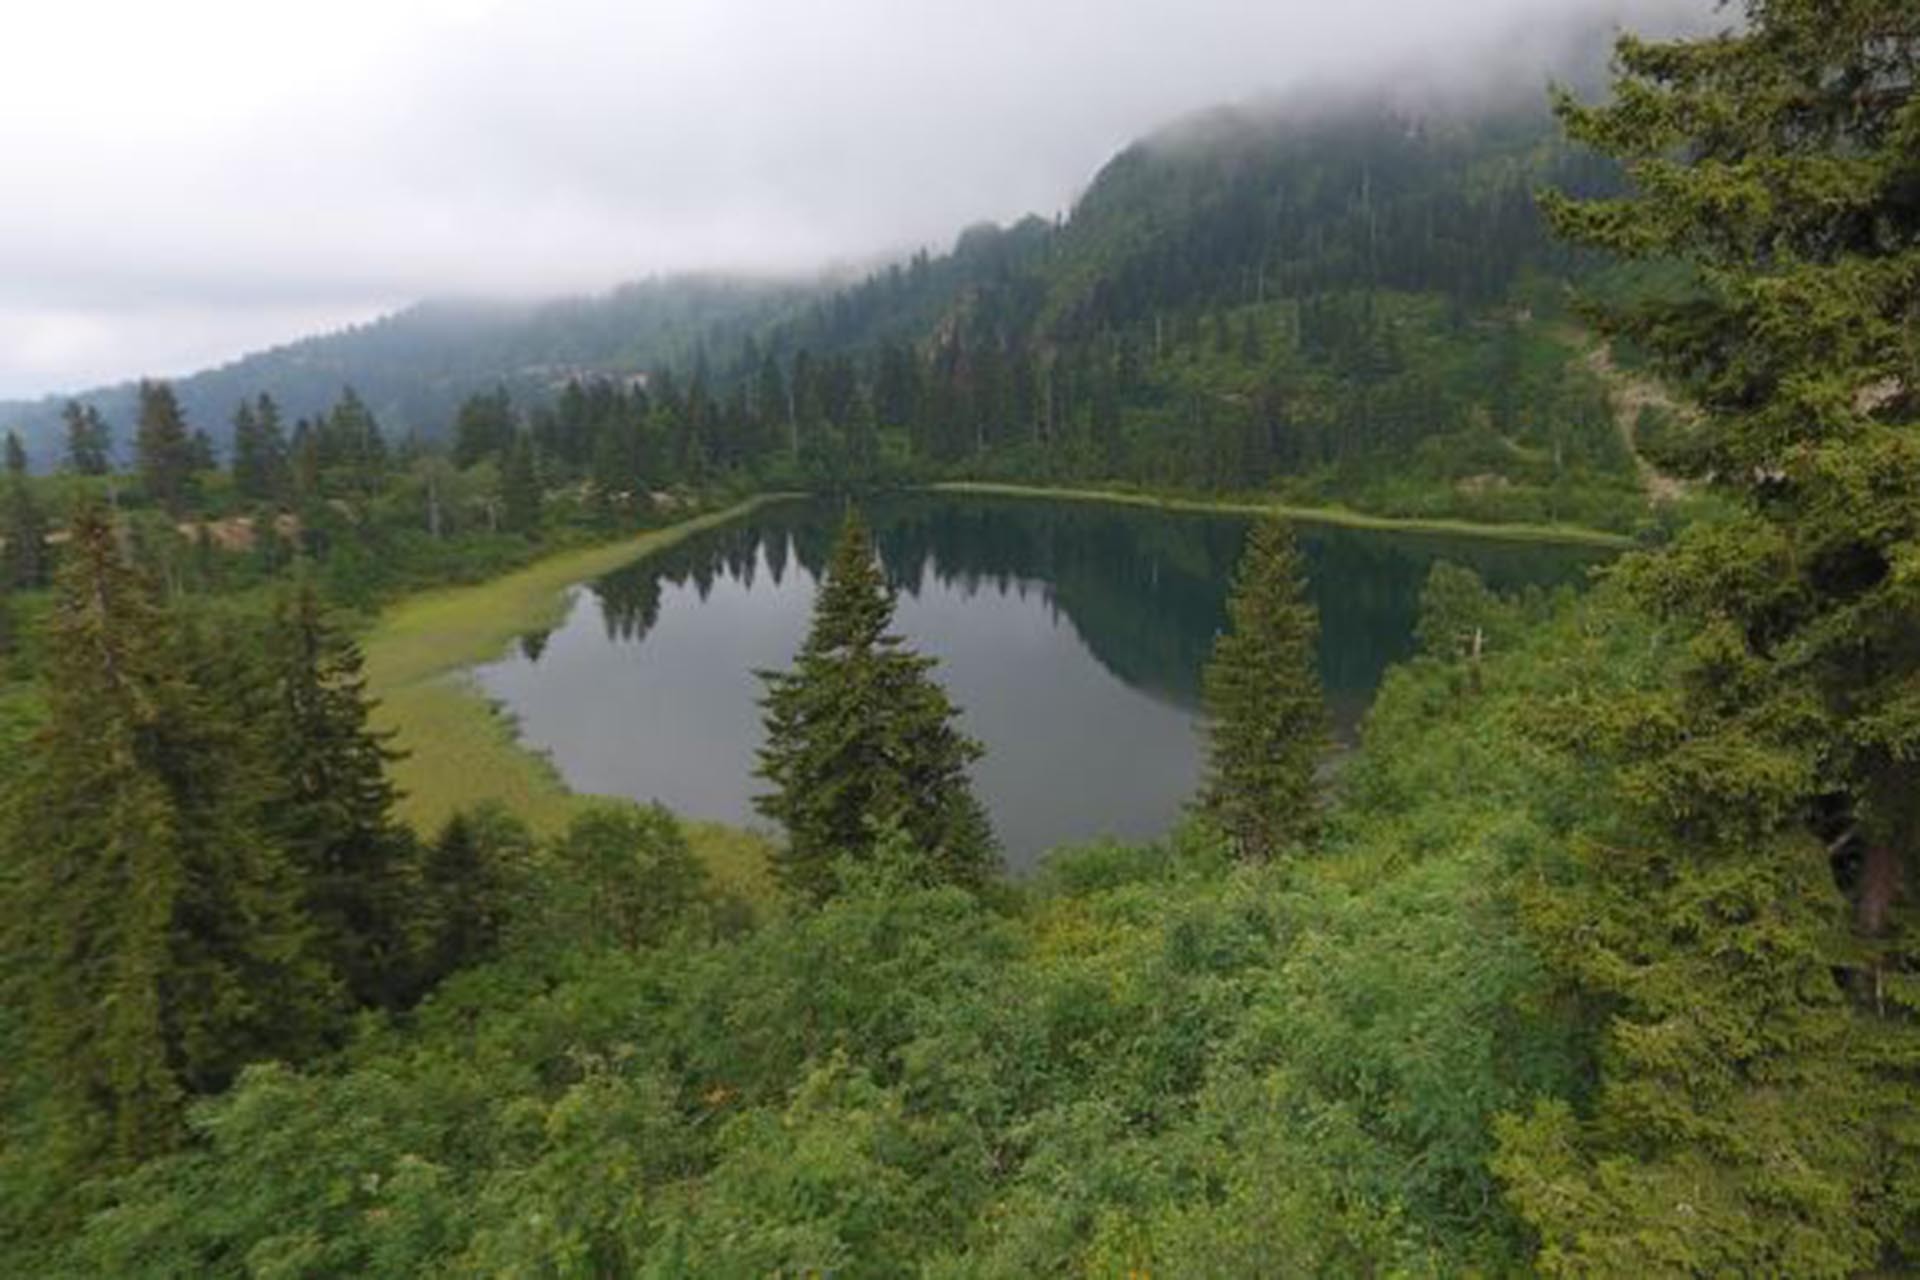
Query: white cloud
x=41 y=347
x=184 y=180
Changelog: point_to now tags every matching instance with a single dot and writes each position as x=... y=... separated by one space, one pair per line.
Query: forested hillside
x=1357 y=306
x=1355 y=303
x=1149 y=1060
x=1595 y=956
x=415 y=367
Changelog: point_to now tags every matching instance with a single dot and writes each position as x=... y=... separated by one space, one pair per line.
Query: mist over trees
x=1595 y=955
x=1361 y=301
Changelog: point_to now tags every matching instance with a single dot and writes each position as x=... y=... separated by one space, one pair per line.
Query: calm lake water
x=1072 y=635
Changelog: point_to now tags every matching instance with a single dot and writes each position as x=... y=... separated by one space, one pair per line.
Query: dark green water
x=1072 y=635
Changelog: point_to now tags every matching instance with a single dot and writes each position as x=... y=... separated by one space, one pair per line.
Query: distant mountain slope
x=413 y=368
x=1347 y=300
x=1247 y=204
x=1353 y=302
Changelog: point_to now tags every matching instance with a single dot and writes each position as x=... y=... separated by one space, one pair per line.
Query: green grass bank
x=460 y=751
x=1569 y=535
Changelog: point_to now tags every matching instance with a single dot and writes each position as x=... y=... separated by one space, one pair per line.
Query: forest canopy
x=1593 y=956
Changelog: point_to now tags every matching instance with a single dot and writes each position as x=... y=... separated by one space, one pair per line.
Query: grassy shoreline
x=1566 y=535
x=460 y=750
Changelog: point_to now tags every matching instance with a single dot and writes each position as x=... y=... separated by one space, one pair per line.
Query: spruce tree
x=151 y=922
x=89 y=441
x=520 y=487
x=862 y=743
x=1267 y=727
x=201 y=455
x=259 y=451
x=471 y=876
x=335 y=810
x=1743 y=931
x=350 y=440
x=22 y=525
x=163 y=448
x=608 y=470
x=483 y=429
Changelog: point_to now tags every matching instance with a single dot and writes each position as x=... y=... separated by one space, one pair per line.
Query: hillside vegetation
x=1147 y=1060
x=1350 y=303
x=1596 y=957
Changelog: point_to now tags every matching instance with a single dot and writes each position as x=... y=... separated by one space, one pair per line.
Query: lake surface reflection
x=1072 y=635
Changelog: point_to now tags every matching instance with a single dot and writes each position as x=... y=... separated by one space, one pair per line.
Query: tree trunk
x=1879 y=888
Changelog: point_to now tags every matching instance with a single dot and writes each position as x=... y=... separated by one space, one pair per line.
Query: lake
x=1071 y=634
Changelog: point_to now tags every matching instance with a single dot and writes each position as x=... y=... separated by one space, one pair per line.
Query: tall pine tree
x=484 y=428
x=22 y=524
x=1268 y=722
x=163 y=448
x=259 y=452
x=520 y=487
x=335 y=811
x=151 y=920
x=861 y=741
x=1743 y=930
x=89 y=440
x=473 y=874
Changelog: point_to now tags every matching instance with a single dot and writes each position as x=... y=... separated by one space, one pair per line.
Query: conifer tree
x=201 y=455
x=483 y=429
x=1754 y=1114
x=89 y=441
x=163 y=448
x=520 y=487
x=470 y=875
x=304 y=470
x=861 y=741
x=259 y=451
x=335 y=812
x=151 y=920
x=22 y=525
x=1268 y=723
x=350 y=439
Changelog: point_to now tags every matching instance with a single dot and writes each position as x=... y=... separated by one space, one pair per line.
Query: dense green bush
x=1145 y=1058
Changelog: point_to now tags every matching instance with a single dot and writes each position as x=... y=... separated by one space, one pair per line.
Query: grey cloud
x=530 y=149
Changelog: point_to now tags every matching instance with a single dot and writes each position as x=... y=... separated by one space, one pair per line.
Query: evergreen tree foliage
x=163 y=448
x=152 y=920
x=360 y=867
x=200 y=453
x=484 y=428
x=352 y=453
x=259 y=451
x=520 y=487
x=862 y=744
x=23 y=526
x=1267 y=728
x=1744 y=925
x=471 y=874
x=89 y=439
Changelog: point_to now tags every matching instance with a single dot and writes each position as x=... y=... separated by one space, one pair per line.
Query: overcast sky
x=186 y=181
